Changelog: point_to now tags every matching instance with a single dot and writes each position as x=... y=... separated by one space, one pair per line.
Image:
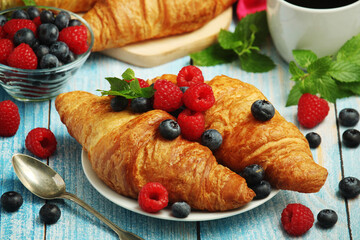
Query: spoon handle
x=125 y=235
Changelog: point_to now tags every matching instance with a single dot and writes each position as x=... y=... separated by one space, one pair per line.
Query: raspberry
x=153 y=197
x=14 y=25
x=23 y=57
x=75 y=37
x=9 y=118
x=2 y=33
x=199 y=97
x=167 y=96
x=297 y=219
x=142 y=82
x=189 y=76
x=41 y=142
x=37 y=21
x=311 y=110
x=192 y=124
x=6 y=47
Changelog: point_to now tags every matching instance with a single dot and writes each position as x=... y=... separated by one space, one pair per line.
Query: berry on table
x=41 y=142
x=118 y=103
x=6 y=47
x=199 y=97
x=153 y=197
x=188 y=76
x=180 y=209
x=192 y=124
x=351 y=138
x=349 y=187
x=168 y=96
x=327 y=218
x=24 y=35
x=297 y=219
x=75 y=37
x=262 y=110
x=49 y=213
x=348 y=117
x=140 y=105
x=11 y=201
x=313 y=139
x=9 y=118
x=48 y=33
x=49 y=61
x=253 y=174
x=262 y=189
x=23 y=57
x=169 y=129
x=312 y=110
x=212 y=139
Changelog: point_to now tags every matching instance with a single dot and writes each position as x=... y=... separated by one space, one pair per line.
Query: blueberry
x=183 y=89
x=35 y=45
x=47 y=16
x=41 y=51
x=351 y=138
x=212 y=139
x=262 y=190
x=74 y=22
x=66 y=14
x=49 y=213
x=348 y=117
x=70 y=58
x=60 y=50
x=33 y=12
x=20 y=14
x=314 y=139
x=119 y=103
x=11 y=201
x=62 y=21
x=24 y=35
x=262 y=110
x=349 y=187
x=49 y=61
x=178 y=111
x=180 y=209
x=253 y=174
x=140 y=105
x=169 y=129
x=327 y=218
x=48 y=33
x=3 y=20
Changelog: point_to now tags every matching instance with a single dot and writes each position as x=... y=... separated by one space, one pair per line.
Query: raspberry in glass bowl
x=41 y=48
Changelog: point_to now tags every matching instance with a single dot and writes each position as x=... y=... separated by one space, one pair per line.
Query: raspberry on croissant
x=277 y=145
x=126 y=152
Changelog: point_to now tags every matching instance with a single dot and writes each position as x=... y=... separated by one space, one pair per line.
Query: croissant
x=126 y=151
x=277 y=145
x=116 y=23
x=71 y=5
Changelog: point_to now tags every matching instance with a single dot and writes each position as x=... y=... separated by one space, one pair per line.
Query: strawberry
x=312 y=110
x=14 y=25
x=23 y=57
x=75 y=37
x=6 y=47
x=9 y=118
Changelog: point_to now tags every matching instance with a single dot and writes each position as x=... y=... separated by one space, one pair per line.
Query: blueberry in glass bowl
x=49 y=64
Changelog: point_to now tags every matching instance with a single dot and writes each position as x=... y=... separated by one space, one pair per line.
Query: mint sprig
x=128 y=89
x=29 y=2
x=331 y=77
x=243 y=44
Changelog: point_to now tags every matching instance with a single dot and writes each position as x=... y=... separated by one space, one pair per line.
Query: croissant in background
x=116 y=23
x=71 y=5
x=126 y=151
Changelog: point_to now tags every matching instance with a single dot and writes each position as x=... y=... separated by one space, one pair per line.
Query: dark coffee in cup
x=321 y=4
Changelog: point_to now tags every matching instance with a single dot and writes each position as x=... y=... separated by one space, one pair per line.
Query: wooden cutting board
x=159 y=51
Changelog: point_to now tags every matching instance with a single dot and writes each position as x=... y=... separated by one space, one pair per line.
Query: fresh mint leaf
x=352 y=88
x=135 y=86
x=116 y=84
x=128 y=74
x=228 y=40
x=147 y=92
x=304 y=57
x=319 y=67
x=345 y=71
x=295 y=71
x=256 y=62
x=213 y=55
x=350 y=51
x=29 y=2
x=253 y=22
x=294 y=95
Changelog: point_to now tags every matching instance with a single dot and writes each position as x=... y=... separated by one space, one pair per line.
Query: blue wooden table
x=262 y=222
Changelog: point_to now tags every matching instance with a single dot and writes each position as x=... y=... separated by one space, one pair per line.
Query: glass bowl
x=42 y=84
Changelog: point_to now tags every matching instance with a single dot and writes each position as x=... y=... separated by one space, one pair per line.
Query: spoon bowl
x=44 y=182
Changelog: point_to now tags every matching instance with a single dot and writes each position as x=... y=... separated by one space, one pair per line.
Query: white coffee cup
x=323 y=31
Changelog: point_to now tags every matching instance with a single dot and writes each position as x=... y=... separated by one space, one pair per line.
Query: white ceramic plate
x=132 y=204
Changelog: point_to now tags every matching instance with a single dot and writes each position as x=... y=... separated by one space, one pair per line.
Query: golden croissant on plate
x=126 y=151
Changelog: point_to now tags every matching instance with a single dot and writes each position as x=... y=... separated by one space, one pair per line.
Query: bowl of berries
x=41 y=48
